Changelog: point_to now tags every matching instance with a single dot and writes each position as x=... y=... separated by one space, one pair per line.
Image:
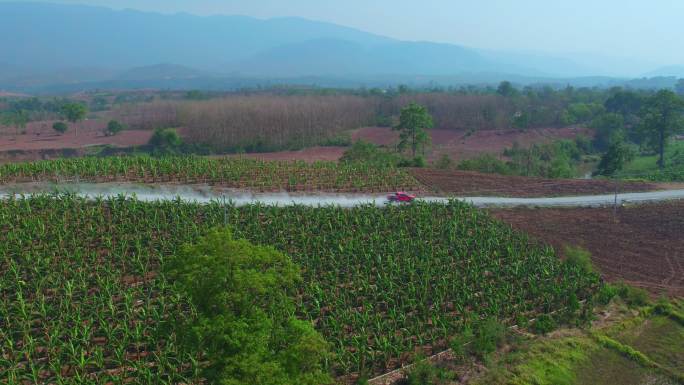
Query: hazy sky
x=644 y=30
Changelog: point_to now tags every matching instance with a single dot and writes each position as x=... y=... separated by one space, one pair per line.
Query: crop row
x=227 y=172
x=82 y=298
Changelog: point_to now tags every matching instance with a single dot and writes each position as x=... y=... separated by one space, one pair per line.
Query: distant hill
x=61 y=48
x=676 y=71
x=161 y=71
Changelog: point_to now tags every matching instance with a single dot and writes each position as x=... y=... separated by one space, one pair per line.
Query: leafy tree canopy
x=661 y=117
x=74 y=112
x=243 y=295
x=113 y=128
x=414 y=120
x=60 y=127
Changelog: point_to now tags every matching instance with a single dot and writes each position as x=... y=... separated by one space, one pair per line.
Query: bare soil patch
x=460 y=144
x=642 y=245
x=452 y=182
x=40 y=136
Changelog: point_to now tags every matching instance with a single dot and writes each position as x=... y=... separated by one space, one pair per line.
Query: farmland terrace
x=380 y=284
x=300 y=176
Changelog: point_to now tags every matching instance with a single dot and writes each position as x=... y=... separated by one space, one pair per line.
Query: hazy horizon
x=625 y=36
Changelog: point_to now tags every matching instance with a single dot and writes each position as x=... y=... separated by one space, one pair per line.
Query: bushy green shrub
x=489 y=335
x=365 y=152
x=487 y=164
x=544 y=324
x=444 y=162
x=460 y=344
x=579 y=258
x=60 y=127
x=425 y=373
x=633 y=296
x=606 y=293
x=113 y=128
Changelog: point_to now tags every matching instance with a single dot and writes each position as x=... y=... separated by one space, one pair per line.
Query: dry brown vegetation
x=458 y=112
x=263 y=122
x=149 y=115
x=271 y=122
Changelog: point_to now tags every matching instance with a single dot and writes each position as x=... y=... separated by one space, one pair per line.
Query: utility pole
x=615 y=203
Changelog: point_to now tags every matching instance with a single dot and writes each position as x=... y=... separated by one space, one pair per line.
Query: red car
x=401 y=196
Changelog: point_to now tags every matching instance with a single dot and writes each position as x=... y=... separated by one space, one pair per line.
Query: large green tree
x=245 y=325
x=414 y=121
x=661 y=117
x=74 y=112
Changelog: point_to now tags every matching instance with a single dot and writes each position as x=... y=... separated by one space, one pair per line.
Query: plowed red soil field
x=41 y=136
x=642 y=245
x=451 y=182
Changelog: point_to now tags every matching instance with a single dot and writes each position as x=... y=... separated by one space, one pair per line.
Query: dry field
x=468 y=183
x=641 y=245
x=459 y=145
x=40 y=136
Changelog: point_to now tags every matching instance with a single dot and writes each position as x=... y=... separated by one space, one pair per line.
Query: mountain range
x=46 y=46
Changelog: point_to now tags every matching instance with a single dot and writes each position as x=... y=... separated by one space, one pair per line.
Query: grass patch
x=543 y=362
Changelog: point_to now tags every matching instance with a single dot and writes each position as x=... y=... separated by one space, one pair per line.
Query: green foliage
x=414 y=120
x=417 y=161
x=633 y=296
x=369 y=153
x=14 y=118
x=625 y=350
x=486 y=163
x=625 y=103
x=521 y=120
x=342 y=139
x=606 y=294
x=165 y=140
x=579 y=113
x=113 y=128
x=579 y=258
x=60 y=127
x=73 y=112
x=607 y=127
x=679 y=88
x=661 y=117
x=425 y=373
x=614 y=160
x=506 y=89
x=460 y=344
x=245 y=325
x=555 y=160
x=229 y=172
x=444 y=162
x=489 y=335
x=665 y=307
x=379 y=281
x=544 y=324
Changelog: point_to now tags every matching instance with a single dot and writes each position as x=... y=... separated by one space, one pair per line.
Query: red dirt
x=41 y=136
x=309 y=154
x=461 y=183
x=459 y=145
x=642 y=245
